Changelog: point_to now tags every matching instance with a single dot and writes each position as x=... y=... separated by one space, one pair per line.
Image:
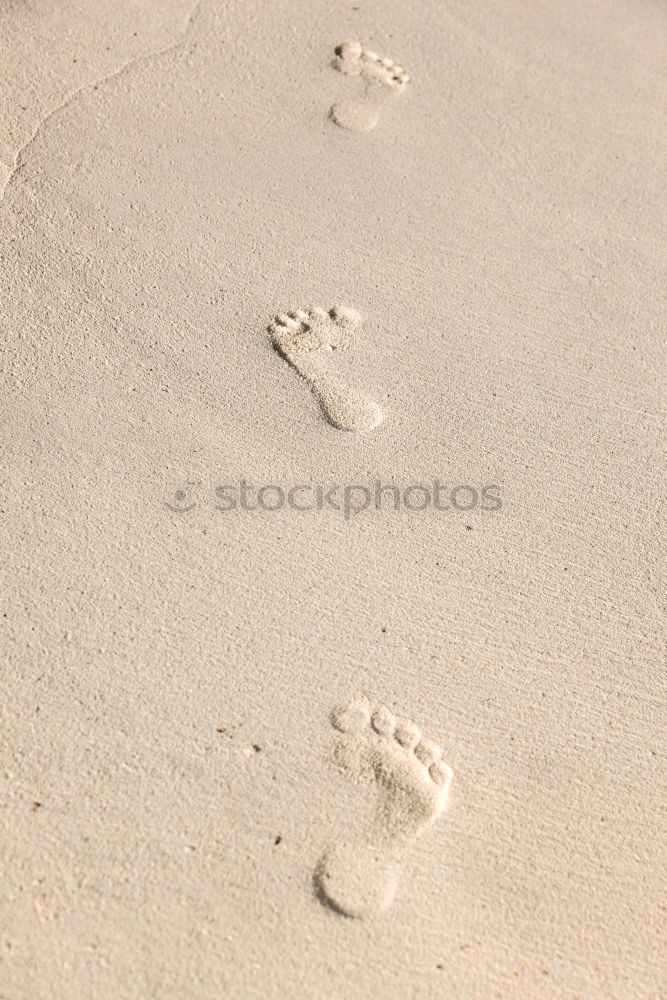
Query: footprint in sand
x=301 y=337
x=383 y=80
x=359 y=877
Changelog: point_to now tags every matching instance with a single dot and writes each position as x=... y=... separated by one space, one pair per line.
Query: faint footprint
x=301 y=337
x=359 y=877
x=383 y=79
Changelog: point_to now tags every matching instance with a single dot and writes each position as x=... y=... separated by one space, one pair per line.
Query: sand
x=346 y=750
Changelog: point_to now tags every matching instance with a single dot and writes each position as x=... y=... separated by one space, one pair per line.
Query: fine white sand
x=403 y=754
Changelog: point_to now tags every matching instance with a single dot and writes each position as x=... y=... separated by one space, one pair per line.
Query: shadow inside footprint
x=359 y=877
x=356 y=880
x=302 y=337
x=383 y=79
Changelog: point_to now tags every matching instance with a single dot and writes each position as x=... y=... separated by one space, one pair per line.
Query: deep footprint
x=358 y=878
x=383 y=80
x=301 y=337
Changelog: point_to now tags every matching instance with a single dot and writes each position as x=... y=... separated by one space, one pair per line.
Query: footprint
x=383 y=80
x=300 y=337
x=359 y=877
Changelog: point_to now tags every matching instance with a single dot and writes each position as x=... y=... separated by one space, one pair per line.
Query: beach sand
x=217 y=778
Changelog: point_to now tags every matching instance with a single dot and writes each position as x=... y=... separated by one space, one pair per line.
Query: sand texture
x=332 y=751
